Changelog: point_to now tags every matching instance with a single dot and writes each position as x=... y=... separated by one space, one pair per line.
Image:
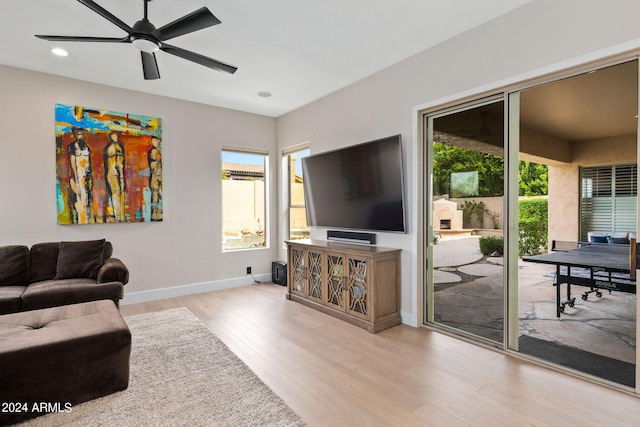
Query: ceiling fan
x=149 y=39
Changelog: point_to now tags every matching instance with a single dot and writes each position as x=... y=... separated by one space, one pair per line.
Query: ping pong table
x=596 y=266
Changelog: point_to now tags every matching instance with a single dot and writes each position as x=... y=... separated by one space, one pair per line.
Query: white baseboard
x=177 y=291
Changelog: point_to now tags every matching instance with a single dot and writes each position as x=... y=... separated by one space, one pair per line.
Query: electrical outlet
x=248 y=270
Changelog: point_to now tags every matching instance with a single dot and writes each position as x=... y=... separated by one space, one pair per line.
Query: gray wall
x=538 y=38
x=185 y=248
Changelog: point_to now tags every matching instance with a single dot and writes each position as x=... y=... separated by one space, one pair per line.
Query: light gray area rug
x=181 y=375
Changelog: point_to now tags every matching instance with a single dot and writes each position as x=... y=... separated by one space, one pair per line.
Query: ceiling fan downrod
x=143 y=31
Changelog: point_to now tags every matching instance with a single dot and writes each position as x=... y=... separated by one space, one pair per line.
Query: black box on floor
x=279 y=272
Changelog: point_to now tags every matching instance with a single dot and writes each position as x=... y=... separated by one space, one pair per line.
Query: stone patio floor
x=474 y=285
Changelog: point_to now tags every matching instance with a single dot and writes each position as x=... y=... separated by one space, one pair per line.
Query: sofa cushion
x=52 y=293
x=598 y=239
x=80 y=259
x=108 y=250
x=44 y=261
x=620 y=235
x=617 y=240
x=10 y=298
x=14 y=265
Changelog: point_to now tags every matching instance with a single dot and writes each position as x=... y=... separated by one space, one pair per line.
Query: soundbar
x=352 y=236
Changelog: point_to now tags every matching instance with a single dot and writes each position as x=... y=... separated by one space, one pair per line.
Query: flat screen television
x=358 y=187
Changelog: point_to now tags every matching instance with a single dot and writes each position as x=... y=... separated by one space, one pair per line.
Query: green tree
x=533 y=179
x=448 y=159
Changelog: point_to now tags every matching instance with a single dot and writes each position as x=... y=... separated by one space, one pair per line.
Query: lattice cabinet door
x=358 y=288
x=314 y=275
x=298 y=271
x=336 y=281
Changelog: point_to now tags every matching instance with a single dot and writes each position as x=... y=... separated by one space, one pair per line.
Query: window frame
x=618 y=182
x=265 y=226
x=286 y=176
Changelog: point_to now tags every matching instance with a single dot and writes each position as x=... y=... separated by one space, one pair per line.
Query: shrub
x=491 y=244
x=533 y=224
x=473 y=215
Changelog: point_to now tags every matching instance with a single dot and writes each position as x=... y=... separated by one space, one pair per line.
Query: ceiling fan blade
x=84 y=39
x=106 y=14
x=150 y=66
x=201 y=18
x=199 y=59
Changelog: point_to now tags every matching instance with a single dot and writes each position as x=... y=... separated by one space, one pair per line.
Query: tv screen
x=357 y=187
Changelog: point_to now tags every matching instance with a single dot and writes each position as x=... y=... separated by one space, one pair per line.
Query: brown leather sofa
x=59 y=273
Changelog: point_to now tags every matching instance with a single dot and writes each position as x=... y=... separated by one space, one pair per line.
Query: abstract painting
x=108 y=166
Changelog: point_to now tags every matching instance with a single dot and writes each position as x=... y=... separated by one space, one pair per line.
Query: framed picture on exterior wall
x=108 y=166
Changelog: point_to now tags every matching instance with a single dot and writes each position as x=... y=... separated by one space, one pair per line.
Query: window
x=243 y=199
x=608 y=199
x=298 y=228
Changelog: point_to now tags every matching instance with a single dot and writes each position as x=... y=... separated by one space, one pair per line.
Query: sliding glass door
x=508 y=220
x=466 y=265
x=578 y=192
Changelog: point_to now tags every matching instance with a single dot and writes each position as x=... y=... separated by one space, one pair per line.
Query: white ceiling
x=298 y=50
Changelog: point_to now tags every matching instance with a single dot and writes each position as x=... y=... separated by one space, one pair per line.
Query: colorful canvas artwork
x=108 y=166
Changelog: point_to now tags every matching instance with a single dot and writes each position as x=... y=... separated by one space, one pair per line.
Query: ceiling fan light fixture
x=145 y=44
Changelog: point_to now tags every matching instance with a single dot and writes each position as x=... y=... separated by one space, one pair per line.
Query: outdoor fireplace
x=446 y=215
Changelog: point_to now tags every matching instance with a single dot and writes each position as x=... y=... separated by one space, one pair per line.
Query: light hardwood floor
x=335 y=374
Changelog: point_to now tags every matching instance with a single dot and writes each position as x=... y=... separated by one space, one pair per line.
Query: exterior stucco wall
x=564 y=180
x=564 y=202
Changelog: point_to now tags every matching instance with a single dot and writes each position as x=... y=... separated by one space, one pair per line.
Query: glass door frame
x=427 y=213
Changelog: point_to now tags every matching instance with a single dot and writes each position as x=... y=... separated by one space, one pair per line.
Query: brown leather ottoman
x=54 y=358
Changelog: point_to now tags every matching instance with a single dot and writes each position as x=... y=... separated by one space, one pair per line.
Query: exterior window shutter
x=609 y=199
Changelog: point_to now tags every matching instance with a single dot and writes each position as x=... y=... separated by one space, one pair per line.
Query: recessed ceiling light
x=264 y=94
x=59 y=51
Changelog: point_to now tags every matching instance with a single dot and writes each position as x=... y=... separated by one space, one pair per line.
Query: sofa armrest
x=113 y=270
